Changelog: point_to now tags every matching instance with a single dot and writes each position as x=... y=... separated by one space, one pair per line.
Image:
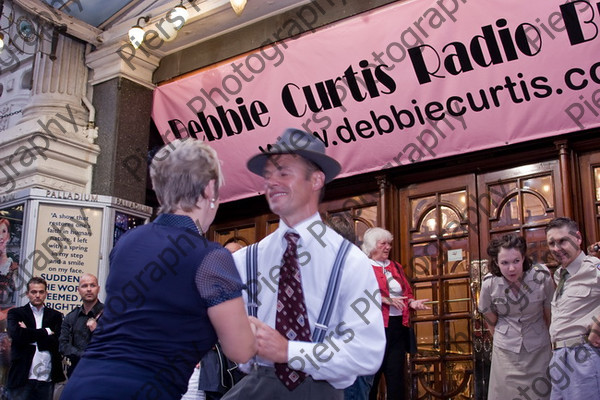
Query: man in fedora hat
x=293 y=277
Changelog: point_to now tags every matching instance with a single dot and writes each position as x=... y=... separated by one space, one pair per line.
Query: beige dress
x=521 y=351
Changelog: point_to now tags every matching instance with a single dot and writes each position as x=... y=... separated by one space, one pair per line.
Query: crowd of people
x=304 y=312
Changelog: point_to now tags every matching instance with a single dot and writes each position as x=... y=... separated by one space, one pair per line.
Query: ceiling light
x=238 y=6
x=178 y=16
x=136 y=33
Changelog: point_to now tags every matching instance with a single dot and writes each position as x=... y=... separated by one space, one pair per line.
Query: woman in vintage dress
x=515 y=302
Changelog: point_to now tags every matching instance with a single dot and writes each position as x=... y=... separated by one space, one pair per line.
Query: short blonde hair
x=180 y=172
x=372 y=236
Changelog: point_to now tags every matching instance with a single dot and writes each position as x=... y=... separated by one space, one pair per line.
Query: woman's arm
x=233 y=329
x=547 y=316
x=217 y=279
x=490 y=318
x=485 y=305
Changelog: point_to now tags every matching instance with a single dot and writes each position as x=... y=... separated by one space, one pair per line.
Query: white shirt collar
x=310 y=229
x=574 y=266
x=382 y=264
x=35 y=309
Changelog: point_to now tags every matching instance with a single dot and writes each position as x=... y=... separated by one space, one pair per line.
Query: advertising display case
x=59 y=236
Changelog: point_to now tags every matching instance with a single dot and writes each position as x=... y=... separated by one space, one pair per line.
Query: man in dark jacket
x=35 y=361
x=79 y=324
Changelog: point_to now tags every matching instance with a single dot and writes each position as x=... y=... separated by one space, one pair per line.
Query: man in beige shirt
x=575 y=305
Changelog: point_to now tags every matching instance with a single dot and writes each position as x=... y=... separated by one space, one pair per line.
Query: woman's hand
x=419 y=304
x=397 y=302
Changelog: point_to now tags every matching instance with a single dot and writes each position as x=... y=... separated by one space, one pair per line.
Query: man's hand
x=91 y=324
x=594 y=338
x=271 y=344
x=22 y=325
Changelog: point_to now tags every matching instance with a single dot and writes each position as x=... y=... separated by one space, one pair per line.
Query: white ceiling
x=93 y=12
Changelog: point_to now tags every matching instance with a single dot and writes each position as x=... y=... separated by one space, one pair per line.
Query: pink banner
x=404 y=83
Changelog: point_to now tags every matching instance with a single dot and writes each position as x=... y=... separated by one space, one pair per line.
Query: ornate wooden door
x=438 y=241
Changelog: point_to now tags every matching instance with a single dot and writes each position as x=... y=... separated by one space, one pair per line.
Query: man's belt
x=570 y=342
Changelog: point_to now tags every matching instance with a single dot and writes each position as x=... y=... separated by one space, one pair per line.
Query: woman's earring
x=212 y=204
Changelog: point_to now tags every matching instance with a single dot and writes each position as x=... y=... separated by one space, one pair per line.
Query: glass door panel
x=457 y=299
x=537 y=249
x=456 y=256
x=427 y=290
x=424 y=260
x=458 y=339
x=508 y=216
x=427 y=338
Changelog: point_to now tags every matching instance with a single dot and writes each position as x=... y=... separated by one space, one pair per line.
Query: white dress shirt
x=355 y=340
x=41 y=363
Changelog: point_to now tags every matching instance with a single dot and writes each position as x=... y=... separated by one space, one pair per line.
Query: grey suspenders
x=332 y=287
x=252 y=278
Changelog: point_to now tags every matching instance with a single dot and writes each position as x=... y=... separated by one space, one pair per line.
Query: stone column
x=123 y=97
x=52 y=146
x=60 y=83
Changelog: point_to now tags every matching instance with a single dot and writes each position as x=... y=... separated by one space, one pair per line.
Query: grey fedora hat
x=295 y=141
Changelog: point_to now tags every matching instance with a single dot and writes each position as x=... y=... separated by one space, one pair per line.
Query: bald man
x=79 y=324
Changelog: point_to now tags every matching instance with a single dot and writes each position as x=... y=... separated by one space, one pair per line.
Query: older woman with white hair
x=170 y=294
x=397 y=298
